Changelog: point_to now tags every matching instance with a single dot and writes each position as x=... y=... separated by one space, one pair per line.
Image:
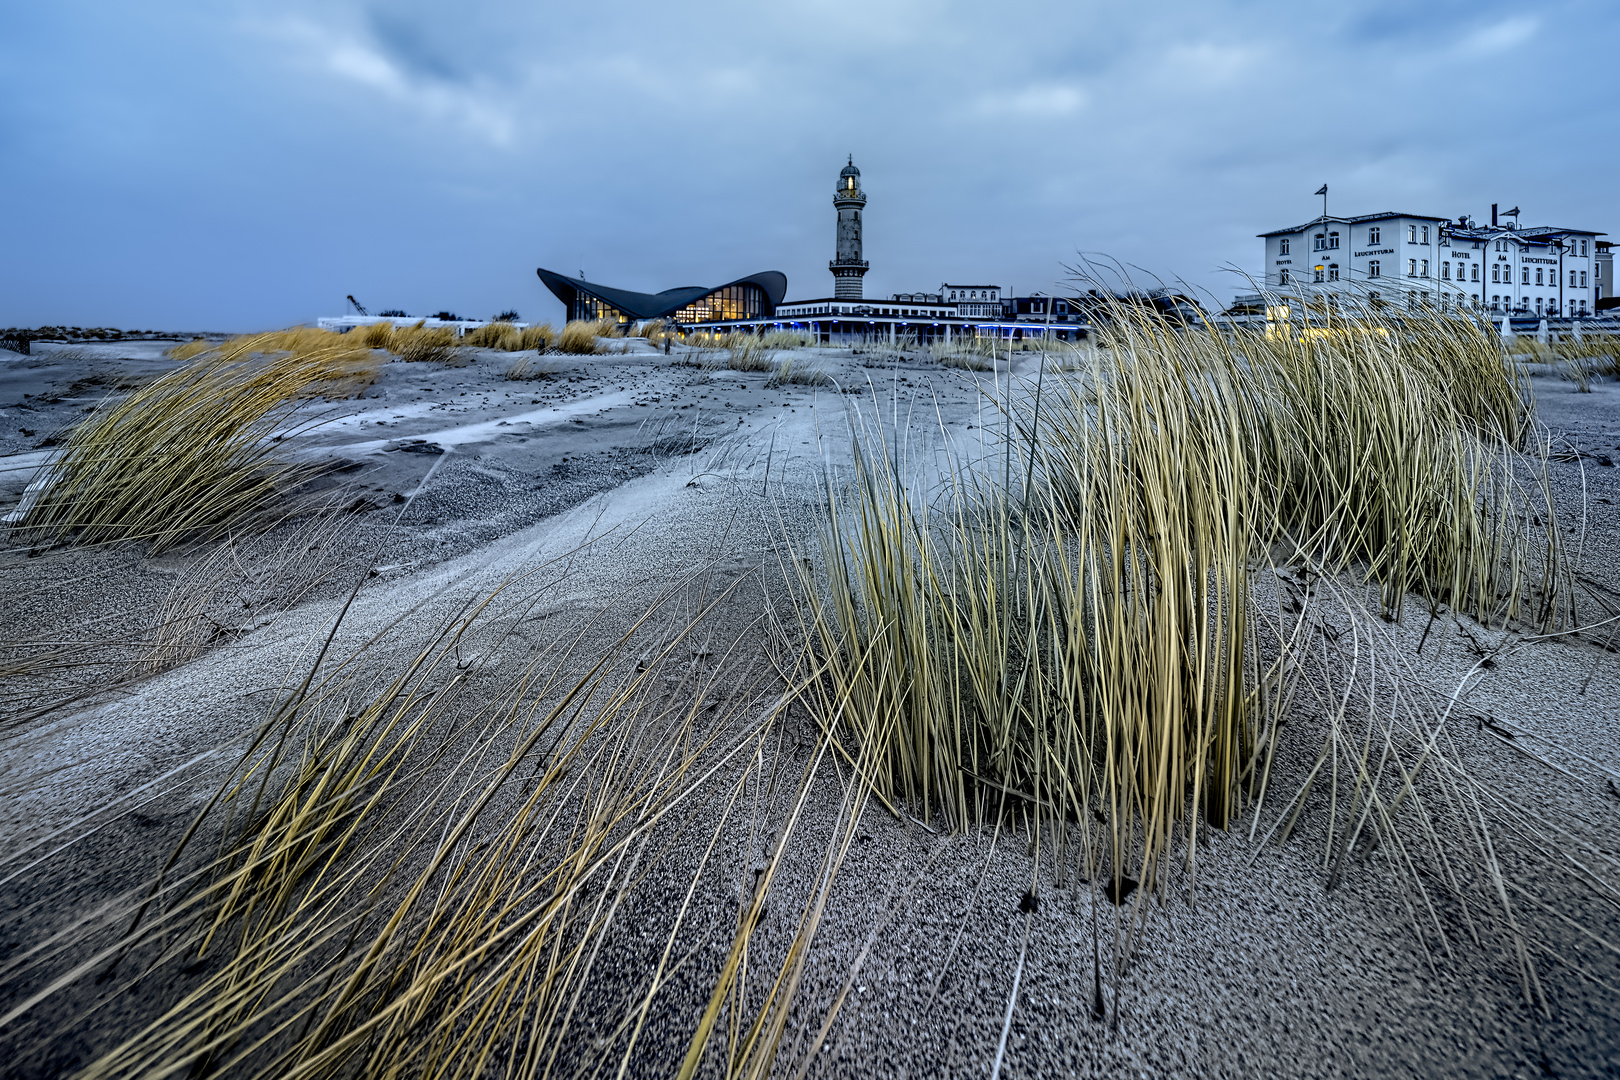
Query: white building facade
x=1414 y=259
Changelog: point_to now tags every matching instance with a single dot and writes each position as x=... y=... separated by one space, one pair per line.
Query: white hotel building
x=1414 y=259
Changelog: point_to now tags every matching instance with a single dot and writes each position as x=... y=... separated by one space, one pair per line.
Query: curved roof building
x=751 y=297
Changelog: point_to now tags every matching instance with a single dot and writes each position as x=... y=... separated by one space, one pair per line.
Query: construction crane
x=358 y=307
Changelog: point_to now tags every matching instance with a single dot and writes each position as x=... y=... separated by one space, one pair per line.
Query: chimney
x=1493 y=215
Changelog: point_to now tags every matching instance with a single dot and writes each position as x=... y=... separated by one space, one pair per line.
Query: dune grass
x=509 y=338
x=1066 y=624
x=788 y=339
x=416 y=879
x=789 y=372
x=191 y=452
x=526 y=368
x=579 y=337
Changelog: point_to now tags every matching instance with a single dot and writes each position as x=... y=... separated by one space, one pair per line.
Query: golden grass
x=530 y=367
x=788 y=339
x=1071 y=629
x=418 y=880
x=579 y=337
x=788 y=372
x=192 y=451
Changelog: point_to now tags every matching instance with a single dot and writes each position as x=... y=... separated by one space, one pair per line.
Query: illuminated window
x=590 y=308
x=1319 y=273
x=732 y=302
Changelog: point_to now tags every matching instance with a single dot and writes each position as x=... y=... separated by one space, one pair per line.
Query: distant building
x=753 y=297
x=974 y=301
x=1603 y=274
x=1415 y=259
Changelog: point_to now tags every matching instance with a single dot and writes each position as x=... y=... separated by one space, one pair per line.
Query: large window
x=590 y=308
x=732 y=302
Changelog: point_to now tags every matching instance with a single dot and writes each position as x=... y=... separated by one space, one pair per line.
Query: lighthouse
x=847 y=266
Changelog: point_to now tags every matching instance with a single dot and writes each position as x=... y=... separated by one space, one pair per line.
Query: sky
x=189 y=165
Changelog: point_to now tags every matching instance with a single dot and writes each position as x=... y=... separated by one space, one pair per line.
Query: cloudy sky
x=182 y=164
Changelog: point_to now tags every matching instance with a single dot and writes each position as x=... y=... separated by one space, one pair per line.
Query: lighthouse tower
x=847 y=267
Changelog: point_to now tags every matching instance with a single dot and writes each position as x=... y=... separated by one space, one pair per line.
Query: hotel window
x=1425 y=269
x=1445 y=271
x=1425 y=234
x=1496 y=272
x=1583 y=279
x=1411 y=234
x=1333 y=272
x=1411 y=268
x=1333 y=240
x=1321 y=242
x=1372 y=235
x=1282 y=277
x=1476 y=271
x=1282 y=246
x=1538 y=276
x=1372 y=267
x=1318 y=273
x=1527 y=275
x=1583 y=255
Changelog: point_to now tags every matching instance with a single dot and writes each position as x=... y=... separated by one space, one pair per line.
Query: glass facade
x=590 y=308
x=732 y=302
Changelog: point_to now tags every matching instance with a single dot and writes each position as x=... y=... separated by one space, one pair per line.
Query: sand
x=623 y=473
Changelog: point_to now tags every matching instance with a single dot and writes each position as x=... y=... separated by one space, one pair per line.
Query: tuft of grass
x=787 y=372
x=1071 y=627
x=579 y=337
x=194 y=347
x=531 y=367
x=537 y=338
x=788 y=339
x=746 y=352
x=190 y=452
